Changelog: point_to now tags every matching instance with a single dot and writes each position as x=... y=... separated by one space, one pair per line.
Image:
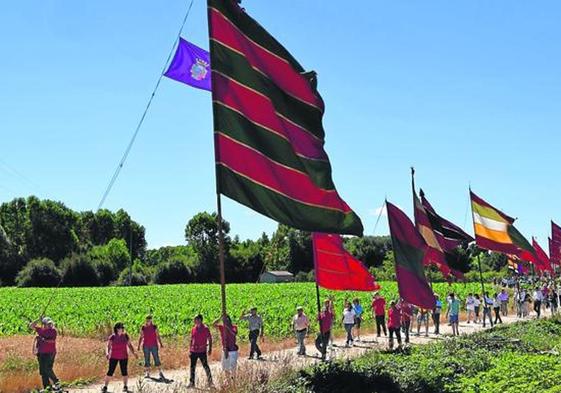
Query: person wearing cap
x=300 y=324
x=199 y=348
x=255 y=323
x=151 y=342
x=46 y=352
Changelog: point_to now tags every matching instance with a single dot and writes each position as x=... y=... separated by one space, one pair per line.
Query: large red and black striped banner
x=268 y=128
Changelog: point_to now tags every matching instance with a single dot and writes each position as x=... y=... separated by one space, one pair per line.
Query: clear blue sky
x=464 y=91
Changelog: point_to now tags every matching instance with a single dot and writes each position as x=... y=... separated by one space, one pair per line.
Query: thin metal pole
x=317 y=286
x=146 y=108
x=481 y=275
x=130 y=251
x=221 y=254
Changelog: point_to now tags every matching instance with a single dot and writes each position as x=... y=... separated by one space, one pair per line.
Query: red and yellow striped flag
x=494 y=231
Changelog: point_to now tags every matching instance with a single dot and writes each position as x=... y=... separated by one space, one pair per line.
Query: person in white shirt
x=300 y=324
x=538 y=299
x=470 y=308
x=476 y=308
x=349 y=315
x=497 y=308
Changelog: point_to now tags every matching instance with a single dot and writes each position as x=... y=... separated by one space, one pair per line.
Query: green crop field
x=89 y=311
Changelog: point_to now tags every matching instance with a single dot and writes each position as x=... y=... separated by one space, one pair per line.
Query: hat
x=299 y=308
x=47 y=321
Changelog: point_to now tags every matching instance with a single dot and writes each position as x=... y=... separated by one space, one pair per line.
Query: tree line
x=45 y=243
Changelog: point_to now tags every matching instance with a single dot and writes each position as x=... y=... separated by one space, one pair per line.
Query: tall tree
x=201 y=233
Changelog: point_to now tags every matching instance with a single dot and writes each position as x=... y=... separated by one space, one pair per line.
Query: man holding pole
x=325 y=319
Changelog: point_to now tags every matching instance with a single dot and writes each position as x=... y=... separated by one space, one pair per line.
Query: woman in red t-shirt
x=150 y=341
x=394 y=323
x=228 y=333
x=118 y=346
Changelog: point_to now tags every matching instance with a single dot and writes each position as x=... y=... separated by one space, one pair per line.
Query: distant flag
x=268 y=128
x=424 y=227
x=190 y=65
x=336 y=268
x=516 y=265
x=542 y=260
x=449 y=235
x=440 y=234
x=410 y=252
x=494 y=231
x=555 y=251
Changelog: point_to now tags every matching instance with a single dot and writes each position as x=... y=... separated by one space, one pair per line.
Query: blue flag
x=190 y=65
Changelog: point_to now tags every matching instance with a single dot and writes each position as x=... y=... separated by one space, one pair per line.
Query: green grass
x=517 y=358
x=91 y=311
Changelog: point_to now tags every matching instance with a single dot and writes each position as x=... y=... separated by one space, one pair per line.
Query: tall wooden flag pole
x=221 y=252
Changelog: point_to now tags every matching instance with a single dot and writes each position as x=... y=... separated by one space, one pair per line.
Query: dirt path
x=274 y=363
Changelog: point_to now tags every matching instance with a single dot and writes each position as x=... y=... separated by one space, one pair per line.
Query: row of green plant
x=92 y=311
x=518 y=358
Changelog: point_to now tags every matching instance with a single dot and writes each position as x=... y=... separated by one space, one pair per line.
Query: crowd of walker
x=401 y=317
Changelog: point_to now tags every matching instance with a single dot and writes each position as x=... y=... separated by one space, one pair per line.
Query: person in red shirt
x=325 y=319
x=406 y=314
x=151 y=342
x=118 y=346
x=228 y=333
x=200 y=346
x=394 y=323
x=45 y=348
x=379 y=311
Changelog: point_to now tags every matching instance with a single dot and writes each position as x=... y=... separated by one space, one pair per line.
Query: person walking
x=470 y=308
x=379 y=311
x=477 y=308
x=497 y=308
x=436 y=314
x=538 y=299
x=300 y=324
x=453 y=313
x=325 y=319
x=487 y=305
x=199 y=347
x=423 y=319
x=151 y=342
x=526 y=305
x=503 y=298
x=394 y=323
x=357 y=307
x=117 y=352
x=45 y=349
x=406 y=314
x=255 y=323
x=228 y=333
x=553 y=300
x=348 y=320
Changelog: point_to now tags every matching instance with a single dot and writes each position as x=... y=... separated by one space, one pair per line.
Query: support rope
x=139 y=125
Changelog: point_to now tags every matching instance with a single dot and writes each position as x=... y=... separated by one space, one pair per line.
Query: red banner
x=336 y=268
